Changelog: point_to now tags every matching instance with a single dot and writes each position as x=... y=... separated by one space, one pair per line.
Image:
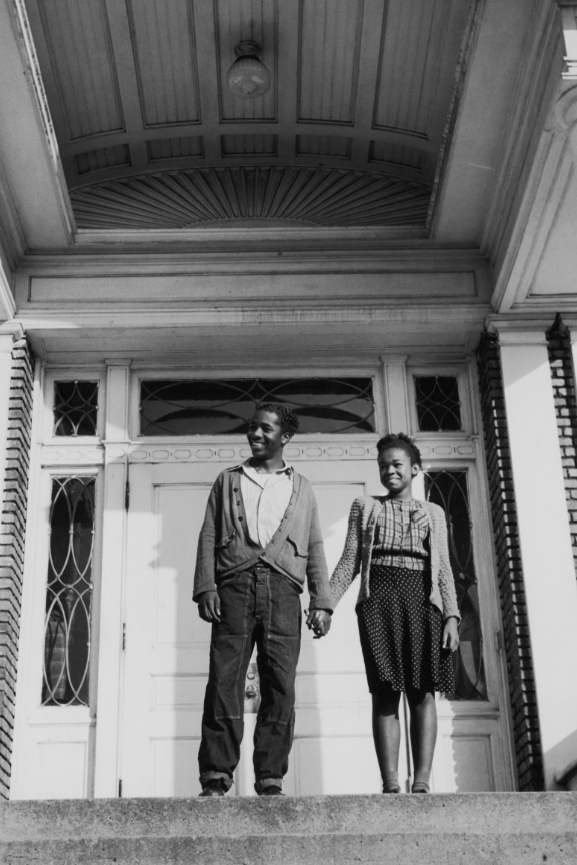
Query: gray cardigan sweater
x=356 y=557
x=296 y=550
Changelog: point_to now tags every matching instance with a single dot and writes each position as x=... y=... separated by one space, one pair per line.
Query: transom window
x=207 y=407
x=438 y=403
x=75 y=408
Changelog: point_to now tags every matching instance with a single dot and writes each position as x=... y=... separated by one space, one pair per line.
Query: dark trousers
x=263 y=607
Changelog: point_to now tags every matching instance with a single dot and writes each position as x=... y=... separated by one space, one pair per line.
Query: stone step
x=466 y=829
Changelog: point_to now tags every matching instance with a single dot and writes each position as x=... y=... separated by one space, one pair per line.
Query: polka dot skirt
x=401 y=633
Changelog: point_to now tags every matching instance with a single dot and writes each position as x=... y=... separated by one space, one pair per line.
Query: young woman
x=407 y=607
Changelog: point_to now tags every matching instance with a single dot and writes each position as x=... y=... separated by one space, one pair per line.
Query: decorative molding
x=264 y=195
x=447 y=449
x=20 y=16
x=231 y=453
x=71 y=454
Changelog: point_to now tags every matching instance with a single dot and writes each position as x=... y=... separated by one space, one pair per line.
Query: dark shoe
x=391 y=788
x=420 y=787
x=271 y=790
x=215 y=787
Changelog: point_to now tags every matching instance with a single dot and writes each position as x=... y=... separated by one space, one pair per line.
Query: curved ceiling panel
x=182 y=199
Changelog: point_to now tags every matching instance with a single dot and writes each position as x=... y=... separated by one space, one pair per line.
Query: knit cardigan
x=356 y=557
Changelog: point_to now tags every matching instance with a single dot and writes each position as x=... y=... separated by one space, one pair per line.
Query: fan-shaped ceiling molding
x=264 y=195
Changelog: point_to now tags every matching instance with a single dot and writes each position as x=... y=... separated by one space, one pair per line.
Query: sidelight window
x=448 y=489
x=210 y=407
x=67 y=639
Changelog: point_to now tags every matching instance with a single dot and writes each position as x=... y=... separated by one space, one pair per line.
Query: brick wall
x=561 y=362
x=12 y=528
x=517 y=644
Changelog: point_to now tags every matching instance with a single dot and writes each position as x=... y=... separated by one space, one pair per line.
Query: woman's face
x=396 y=471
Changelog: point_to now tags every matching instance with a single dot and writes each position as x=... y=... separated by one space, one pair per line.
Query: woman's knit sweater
x=356 y=557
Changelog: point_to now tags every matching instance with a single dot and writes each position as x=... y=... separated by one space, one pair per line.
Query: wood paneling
x=324 y=145
x=329 y=48
x=396 y=154
x=78 y=41
x=175 y=148
x=164 y=49
x=411 y=55
x=249 y=145
x=383 y=71
x=104 y=157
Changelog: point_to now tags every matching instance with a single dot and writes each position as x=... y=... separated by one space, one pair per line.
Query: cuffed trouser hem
x=213 y=776
x=267 y=782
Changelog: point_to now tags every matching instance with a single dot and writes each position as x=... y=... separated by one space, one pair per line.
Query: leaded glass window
x=438 y=403
x=69 y=592
x=449 y=490
x=75 y=408
x=205 y=407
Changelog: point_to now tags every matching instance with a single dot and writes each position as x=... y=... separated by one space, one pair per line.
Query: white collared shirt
x=266 y=498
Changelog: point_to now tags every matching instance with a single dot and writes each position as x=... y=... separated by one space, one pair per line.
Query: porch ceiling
x=350 y=133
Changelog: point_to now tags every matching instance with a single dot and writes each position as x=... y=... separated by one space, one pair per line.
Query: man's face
x=265 y=436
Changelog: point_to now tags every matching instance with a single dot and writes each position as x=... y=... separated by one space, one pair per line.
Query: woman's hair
x=288 y=419
x=404 y=443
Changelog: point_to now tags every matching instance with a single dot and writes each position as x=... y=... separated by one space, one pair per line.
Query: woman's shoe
x=420 y=787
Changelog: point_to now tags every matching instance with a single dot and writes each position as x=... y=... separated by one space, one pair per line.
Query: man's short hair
x=288 y=419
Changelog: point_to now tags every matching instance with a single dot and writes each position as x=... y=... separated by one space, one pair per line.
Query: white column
x=547 y=556
x=117 y=437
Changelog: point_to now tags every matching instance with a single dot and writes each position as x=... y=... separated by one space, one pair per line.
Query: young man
x=259 y=540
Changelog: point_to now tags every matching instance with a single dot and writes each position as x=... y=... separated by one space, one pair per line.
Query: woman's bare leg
x=423 y=728
x=387 y=736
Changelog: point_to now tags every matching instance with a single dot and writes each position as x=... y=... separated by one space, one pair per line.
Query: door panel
x=167 y=650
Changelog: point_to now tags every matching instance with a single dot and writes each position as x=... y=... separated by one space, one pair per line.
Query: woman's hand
x=209 y=607
x=451 y=635
x=318 y=621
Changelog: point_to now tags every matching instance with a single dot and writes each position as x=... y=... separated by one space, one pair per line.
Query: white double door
x=167 y=651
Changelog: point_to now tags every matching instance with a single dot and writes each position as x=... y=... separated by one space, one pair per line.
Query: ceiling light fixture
x=248 y=77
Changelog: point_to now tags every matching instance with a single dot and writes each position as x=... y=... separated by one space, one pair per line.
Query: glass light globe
x=248 y=77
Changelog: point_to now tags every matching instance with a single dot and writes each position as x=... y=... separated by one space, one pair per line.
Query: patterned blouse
x=401 y=531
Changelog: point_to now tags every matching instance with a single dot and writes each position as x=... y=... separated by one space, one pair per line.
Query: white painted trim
x=546 y=546
x=521 y=337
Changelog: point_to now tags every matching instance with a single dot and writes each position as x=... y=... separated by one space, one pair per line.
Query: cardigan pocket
x=224 y=542
x=298 y=547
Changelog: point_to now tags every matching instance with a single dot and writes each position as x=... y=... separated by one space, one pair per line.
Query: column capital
x=396 y=359
x=117 y=361
x=520 y=333
x=10 y=332
x=568 y=10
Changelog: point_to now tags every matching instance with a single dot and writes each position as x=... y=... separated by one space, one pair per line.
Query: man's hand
x=451 y=635
x=318 y=621
x=209 y=607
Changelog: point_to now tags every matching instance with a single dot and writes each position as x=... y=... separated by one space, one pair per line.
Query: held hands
x=451 y=635
x=209 y=607
x=318 y=621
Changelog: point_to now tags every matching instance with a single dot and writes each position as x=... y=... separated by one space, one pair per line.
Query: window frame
x=462 y=373
x=141 y=374
x=86 y=374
